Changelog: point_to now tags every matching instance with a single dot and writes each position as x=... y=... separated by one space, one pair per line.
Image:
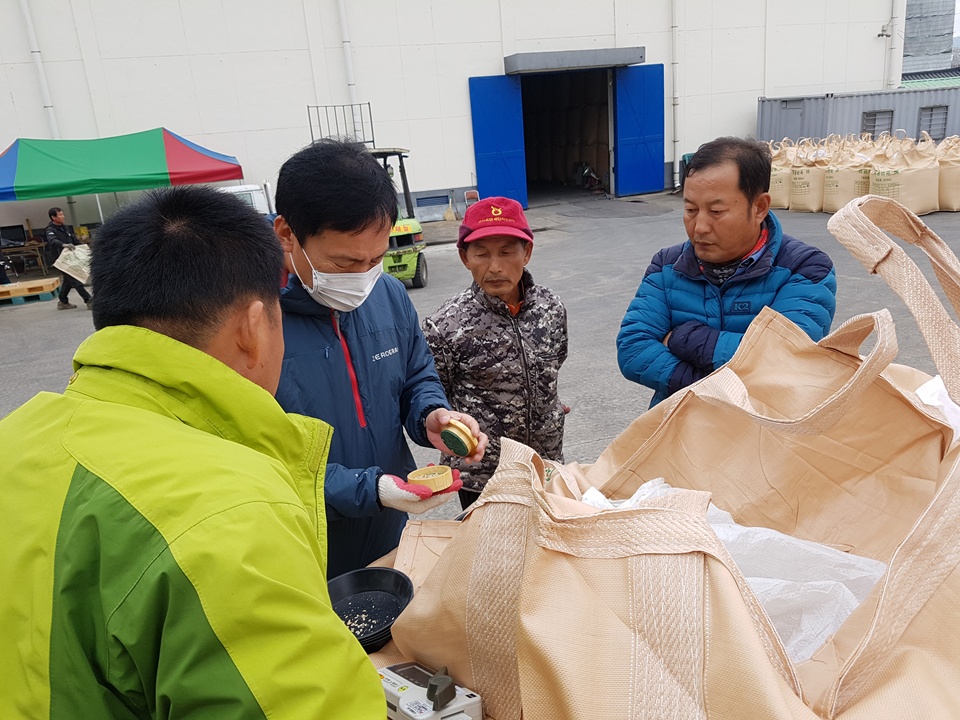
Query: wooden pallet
x=29 y=291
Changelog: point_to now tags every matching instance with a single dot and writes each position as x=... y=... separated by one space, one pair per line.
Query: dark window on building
x=933 y=119
x=877 y=121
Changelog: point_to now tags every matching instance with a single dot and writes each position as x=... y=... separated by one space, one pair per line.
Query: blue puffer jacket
x=369 y=373
x=708 y=322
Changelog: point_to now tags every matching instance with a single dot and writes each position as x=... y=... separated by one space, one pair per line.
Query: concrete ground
x=591 y=250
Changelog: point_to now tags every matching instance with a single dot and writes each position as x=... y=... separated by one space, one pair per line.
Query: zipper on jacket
x=526 y=377
x=353 y=373
x=719 y=292
x=720 y=301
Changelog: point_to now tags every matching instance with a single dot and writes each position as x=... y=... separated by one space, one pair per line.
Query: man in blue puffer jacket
x=354 y=354
x=697 y=298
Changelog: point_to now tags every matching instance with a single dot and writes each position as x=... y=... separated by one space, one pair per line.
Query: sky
x=956 y=20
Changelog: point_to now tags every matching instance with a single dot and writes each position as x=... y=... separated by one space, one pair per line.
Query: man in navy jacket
x=355 y=356
x=697 y=298
x=58 y=235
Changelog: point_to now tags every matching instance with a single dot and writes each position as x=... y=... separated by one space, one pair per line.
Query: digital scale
x=416 y=693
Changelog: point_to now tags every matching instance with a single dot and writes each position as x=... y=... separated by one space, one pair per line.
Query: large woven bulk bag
x=808 y=174
x=780 y=179
x=847 y=177
x=781 y=162
x=948 y=155
x=908 y=172
x=552 y=609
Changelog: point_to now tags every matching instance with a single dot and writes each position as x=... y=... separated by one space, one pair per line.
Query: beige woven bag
x=948 y=156
x=908 y=170
x=848 y=175
x=781 y=164
x=808 y=173
x=552 y=609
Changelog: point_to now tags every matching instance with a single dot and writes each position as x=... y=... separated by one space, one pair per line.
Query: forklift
x=405 y=259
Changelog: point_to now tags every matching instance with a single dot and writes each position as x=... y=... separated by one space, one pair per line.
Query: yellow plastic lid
x=436 y=477
x=458 y=438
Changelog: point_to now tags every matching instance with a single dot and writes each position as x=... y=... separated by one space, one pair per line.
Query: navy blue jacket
x=369 y=373
x=708 y=322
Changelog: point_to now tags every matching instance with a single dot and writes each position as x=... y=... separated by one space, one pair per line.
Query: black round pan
x=368 y=600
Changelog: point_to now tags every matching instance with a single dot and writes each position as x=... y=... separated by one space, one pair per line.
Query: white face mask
x=342 y=291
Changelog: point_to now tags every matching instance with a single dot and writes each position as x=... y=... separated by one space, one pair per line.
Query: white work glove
x=412 y=498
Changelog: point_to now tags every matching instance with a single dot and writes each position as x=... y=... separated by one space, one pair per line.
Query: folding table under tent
x=33 y=169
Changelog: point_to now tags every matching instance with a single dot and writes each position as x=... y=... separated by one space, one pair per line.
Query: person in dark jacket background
x=355 y=356
x=698 y=298
x=500 y=343
x=59 y=235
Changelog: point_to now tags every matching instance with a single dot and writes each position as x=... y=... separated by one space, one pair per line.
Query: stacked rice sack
x=782 y=155
x=826 y=174
x=948 y=157
x=848 y=175
x=808 y=173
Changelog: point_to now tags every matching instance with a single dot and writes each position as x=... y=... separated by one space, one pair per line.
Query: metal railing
x=342 y=121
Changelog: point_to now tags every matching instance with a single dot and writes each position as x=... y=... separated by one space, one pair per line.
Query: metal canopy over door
x=638 y=129
x=497 y=111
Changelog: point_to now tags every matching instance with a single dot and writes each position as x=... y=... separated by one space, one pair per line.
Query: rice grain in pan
x=367 y=612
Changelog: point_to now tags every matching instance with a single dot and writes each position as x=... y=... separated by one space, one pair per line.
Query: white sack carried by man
x=75 y=261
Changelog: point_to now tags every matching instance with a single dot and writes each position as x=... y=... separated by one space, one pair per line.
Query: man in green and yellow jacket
x=163 y=529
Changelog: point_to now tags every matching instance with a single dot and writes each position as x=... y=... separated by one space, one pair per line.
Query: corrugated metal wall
x=822 y=115
x=928 y=35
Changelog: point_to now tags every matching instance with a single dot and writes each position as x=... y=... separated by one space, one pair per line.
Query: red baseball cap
x=494 y=216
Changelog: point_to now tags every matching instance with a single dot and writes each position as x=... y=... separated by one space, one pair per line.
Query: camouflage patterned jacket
x=502 y=370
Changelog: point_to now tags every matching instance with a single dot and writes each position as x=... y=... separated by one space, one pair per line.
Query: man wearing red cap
x=499 y=345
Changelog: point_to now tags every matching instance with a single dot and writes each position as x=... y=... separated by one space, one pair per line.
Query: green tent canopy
x=32 y=169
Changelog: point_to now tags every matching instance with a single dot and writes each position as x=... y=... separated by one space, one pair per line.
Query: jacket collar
x=496 y=304
x=687 y=264
x=135 y=366
x=293 y=298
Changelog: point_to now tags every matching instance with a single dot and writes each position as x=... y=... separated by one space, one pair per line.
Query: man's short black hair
x=751 y=158
x=179 y=259
x=334 y=185
x=52 y=212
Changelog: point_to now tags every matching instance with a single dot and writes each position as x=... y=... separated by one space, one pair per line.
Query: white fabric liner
x=807 y=589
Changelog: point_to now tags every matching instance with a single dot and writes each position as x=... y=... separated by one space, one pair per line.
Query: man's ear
x=285 y=233
x=248 y=334
x=463 y=257
x=238 y=342
x=527 y=251
x=761 y=206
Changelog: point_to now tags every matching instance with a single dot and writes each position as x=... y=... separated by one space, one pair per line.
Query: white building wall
x=236 y=75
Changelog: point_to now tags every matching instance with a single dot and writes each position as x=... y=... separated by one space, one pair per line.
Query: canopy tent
x=32 y=169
